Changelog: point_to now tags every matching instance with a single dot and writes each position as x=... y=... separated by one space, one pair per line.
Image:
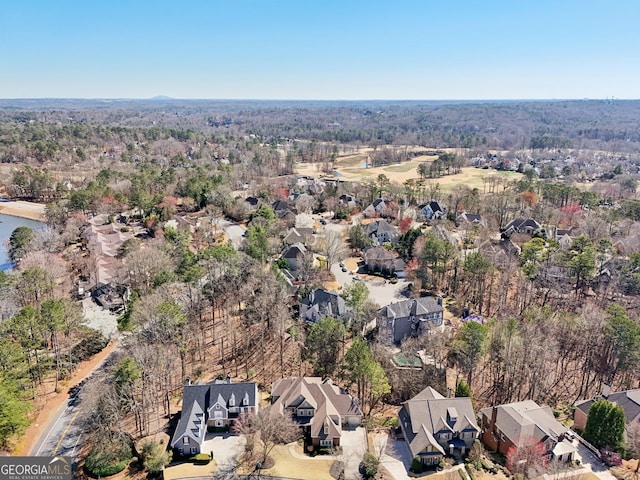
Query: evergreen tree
x=605 y=425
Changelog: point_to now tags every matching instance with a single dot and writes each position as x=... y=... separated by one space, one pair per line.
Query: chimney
x=187 y=381
x=228 y=378
x=440 y=300
x=494 y=415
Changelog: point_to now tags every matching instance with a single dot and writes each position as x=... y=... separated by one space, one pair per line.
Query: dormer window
x=326 y=428
x=245 y=400
x=185 y=440
x=232 y=400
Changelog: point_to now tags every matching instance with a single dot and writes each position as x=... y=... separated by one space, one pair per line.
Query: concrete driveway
x=396 y=457
x=593 y=463
x=354 y=444
x=380 y=292
x=226 y=450
x=234 y=231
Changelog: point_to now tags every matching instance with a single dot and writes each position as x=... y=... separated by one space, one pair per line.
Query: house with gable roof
x=465 y=220
x=410 y=317
x=521 y=225
x=321 y=303
x=629 y=400
x=434 y=426
x=320 y=407
x=215 y=405
x=515 y=424
x=381 y=232
x=432 y=210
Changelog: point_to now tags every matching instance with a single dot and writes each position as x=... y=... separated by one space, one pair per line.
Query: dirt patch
x=32 y=211
x=49 y=403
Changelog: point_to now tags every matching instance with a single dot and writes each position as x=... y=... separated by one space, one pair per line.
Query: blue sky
x=308 y=49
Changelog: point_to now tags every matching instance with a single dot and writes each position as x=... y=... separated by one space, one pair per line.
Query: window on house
x=232 y=401
x=326 y=428
x=326 y=443
x=194 y=451
x=218 y=423
x=245 y=400
x=185 y=440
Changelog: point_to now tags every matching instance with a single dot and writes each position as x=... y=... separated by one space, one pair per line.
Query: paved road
x=64 y=434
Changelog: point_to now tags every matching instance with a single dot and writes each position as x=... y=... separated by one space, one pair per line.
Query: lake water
x=8 y=224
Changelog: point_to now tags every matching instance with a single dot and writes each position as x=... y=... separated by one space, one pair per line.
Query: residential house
x=283 y=211
x=380 y=259
x=381 y=232
x=434 y=426
x=629 y=400
x=410 y=317
x=380 y=208
x=251 y=203
x=516 y=424
x=298 y=235
x=563 y=236
x=520 y=225
x=295 y=255
x=347 y=200
x=103 y=239
x=432 y=210
x=321 y=303
x=215 y=405
x=319 y=406
x=466 y=220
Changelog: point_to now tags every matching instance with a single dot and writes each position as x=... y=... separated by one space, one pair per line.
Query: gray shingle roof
x=413 y=307
x=525 y=419
x=325 y=304
x=629 y=400
x=429 y=412
x=197 y=399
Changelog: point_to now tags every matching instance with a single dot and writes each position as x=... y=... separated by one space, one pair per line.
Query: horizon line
x=248 y=99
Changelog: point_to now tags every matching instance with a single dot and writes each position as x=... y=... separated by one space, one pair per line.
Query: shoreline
x=28 y=210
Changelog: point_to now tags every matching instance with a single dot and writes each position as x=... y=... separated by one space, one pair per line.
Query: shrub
x=416 y=465
x=109 y=456
x=154 y=456
x=369 y=465
x=201 y=458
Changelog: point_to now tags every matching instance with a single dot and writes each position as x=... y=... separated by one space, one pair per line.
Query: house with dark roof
x=215 y=405
x=563 y=236
x=294 y=255
x=432 y=210
x=521 y=225
x=465 y=220
x=410 y=317
x=516 y=424
x=347 y=200
x=319 y=406
x=252 y=202
x=321 y=303
x=629 y=400
x=381 y=232
x=434 y=426
x=283 y=211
